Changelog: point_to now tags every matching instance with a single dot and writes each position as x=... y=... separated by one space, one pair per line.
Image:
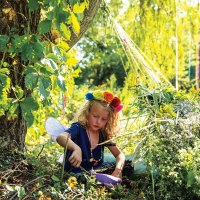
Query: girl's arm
x=120 y=160
x=76 y=158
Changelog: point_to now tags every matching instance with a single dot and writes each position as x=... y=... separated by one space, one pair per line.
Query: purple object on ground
x=108 y=179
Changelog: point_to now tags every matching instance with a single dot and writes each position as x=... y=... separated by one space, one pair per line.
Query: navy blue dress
x=79 y=136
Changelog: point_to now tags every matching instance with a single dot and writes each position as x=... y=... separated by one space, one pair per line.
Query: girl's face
x=98 y=117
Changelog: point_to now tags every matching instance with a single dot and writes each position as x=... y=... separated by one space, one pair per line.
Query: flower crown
x=112 y=100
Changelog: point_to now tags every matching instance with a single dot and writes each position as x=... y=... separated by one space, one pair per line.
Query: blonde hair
x=112 y=126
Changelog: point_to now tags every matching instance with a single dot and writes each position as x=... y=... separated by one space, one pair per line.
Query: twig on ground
x=37 y=188
x=40 y=151
x=34 y=180
x=10 y=171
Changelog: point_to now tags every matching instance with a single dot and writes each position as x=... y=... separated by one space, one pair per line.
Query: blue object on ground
x=139 y=165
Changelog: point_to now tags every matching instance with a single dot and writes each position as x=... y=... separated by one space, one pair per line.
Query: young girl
x=96 y=123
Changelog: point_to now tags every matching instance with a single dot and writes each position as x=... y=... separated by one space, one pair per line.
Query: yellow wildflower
x=72 y=181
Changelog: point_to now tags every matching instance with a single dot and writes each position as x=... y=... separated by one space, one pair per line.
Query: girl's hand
x=117 y=173
x=76 y=158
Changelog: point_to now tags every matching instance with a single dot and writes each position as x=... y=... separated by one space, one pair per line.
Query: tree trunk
x=14 y=18
x=88 y=17
x=12 y=133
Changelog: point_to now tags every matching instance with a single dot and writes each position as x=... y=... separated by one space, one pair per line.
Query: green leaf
x=13 y=109
x=33 y=5
x=19 y=41
x=45 y=26
x=57 y=52
x=72 y=2
x=4 y=39
x=61 y=83
x=53 y=65
x=31 y=80
x=10 y=188
x=20 y=191
x=3 y=79
x=32 y=51
x=50 y=63
x=46 y=71
x=50 y=15
x=30 y=69
x=190 y=178
x=55 y=178
x=28 y=105
x=5 y=64
x=155 y=98
x=53 y=57
x=61 y=16
x=4 y=86
x=4 y=71
x=18 y=91
x=29 y=118
x=43 y=85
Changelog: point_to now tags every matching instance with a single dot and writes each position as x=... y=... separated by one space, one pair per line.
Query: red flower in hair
x=108 y=97
x=115 y=102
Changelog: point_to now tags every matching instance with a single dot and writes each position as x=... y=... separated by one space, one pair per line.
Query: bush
x=171 y=147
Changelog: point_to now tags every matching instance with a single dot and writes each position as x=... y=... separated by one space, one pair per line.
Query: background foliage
x=159 y=124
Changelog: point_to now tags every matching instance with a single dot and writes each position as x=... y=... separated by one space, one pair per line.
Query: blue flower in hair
x=89 y=96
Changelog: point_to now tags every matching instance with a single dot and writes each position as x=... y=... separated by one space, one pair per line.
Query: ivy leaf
x=43 y=85
x=33 y=5
x=53 y=57
x=63 y=45
x=75 y=23
x=32 y=51
x=3 y=79
x=46 y=71
x=50 y=15
x=31 y=80
x=18 y=92
x=29 y=118
x=61 y=17
x=29 y=69
x=28 y=105
x=45 y=26
x=4 y=85
x=61 y=83
x=50 y=63
x=72 y=61
x=56 y=51
x=65 y=31
x=13 y=109
x=72 y=2
x=79 y=8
